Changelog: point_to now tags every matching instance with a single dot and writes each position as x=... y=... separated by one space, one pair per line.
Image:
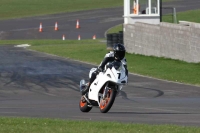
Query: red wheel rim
x=82 y=104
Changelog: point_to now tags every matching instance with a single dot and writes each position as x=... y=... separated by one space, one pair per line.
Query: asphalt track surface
x=35 y=84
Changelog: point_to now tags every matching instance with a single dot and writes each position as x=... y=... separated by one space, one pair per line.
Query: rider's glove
x=109 y=65
x=99 y=70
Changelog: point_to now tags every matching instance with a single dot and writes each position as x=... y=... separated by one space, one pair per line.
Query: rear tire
x=107 y=103
x=83 y=105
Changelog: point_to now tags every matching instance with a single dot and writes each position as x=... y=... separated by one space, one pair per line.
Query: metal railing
x=173 y=10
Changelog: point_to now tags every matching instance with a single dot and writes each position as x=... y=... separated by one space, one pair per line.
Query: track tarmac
x=34 y=84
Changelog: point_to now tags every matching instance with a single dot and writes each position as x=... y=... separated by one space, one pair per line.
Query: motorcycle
x=105 y=87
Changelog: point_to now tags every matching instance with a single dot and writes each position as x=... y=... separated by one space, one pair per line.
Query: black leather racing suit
x=109 y=57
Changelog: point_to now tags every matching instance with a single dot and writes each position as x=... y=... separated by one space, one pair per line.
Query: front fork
x=105 y=92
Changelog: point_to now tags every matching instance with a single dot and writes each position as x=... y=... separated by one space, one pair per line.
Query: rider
x=117 y=54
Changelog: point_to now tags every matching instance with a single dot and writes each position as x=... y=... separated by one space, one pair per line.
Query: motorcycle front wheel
x=106 y=104
x=83 y=105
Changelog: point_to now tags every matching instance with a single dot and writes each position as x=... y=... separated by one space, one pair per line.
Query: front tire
x=83 y=105
x=107 y=103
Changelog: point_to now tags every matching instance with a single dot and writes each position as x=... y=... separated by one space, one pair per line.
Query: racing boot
x=84 y=91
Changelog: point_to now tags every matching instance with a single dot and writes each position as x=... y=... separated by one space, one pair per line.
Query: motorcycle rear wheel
x=106 y=104
x=83 y=105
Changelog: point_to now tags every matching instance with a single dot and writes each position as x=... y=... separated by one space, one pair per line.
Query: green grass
x=93 y=51
x=115 y=29
x=36 y=125
x=22 y=8
x=192 y=16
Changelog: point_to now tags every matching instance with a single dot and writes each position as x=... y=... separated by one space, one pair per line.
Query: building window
x=154 y=6
x=144 y=7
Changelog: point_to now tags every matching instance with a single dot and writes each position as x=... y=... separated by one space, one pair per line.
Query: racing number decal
x=119 y=74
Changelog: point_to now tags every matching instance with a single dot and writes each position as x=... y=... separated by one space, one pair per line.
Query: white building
x=147 y=11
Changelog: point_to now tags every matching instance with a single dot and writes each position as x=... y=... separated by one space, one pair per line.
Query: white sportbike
x=105 y=87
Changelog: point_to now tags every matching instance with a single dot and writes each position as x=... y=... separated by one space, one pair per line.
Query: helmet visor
x=120 y=54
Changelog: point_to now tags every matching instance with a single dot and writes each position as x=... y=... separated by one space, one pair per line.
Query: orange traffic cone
x=63 y=37
x=56 y=26
x=77 y=24
x=40 y=28
x=94 y=37
x=79 y=37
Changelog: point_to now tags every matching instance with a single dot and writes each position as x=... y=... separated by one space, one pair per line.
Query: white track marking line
x=22 y=29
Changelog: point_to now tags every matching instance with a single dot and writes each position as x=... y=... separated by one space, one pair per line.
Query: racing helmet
x=119 y=51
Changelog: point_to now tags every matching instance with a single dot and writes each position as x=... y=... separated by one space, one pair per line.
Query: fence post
x=174 y=15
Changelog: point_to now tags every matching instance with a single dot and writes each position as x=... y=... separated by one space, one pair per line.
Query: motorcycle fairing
x=118 y=77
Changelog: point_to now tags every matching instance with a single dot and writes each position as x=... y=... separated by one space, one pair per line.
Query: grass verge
x=172 y=70
x=185 y=16
x=35 y=125
x=115 y=29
